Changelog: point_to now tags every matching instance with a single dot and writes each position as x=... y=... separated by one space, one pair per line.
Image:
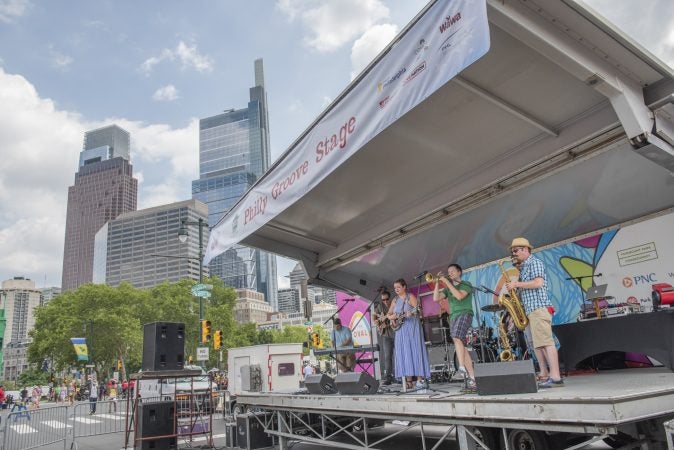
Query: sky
x=156 y=67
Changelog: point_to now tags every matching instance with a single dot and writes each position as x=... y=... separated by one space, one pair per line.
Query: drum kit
x=482 y=344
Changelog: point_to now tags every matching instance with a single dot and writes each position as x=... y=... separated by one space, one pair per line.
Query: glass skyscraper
x=233 y=154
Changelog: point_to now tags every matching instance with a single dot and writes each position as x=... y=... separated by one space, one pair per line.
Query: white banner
x=448 y=38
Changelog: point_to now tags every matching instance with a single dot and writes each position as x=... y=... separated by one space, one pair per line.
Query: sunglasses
x=517 y=250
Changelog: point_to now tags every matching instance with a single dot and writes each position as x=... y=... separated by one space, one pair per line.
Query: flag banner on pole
x=80 y=345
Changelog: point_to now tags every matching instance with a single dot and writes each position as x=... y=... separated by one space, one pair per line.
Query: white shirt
x=308 y=370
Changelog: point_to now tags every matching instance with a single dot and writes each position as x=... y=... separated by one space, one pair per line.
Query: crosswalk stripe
x=56 y=424
x=86 y=421
x=24 y=428
x=110 y=416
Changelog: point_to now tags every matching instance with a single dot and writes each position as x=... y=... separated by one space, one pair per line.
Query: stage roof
x=563 y=127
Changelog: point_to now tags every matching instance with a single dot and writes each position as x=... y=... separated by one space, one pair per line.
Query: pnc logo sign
x=627 y=282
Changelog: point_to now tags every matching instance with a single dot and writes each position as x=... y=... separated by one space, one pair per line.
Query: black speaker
x=164 y=346
x=155 y=419
x=433 y=330
x=356 y=383
x=160 y=444
x=515 y=377
x=250 y=431
x=320 y=383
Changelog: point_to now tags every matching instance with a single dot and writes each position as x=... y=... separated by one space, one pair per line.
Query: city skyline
x=97 y=68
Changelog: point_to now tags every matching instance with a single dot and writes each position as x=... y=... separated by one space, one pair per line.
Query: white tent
x=563 y=127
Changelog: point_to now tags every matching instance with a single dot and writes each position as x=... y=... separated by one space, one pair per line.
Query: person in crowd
x=93 y=397
x=125 y=388
x=24 y=395
x=342 y=338
x=112 y=396
x=385 y=335
x=411 y=356
x=3 y=397
x=35 y=396
x=459 y=295
x=533 y=293
x=308 y=370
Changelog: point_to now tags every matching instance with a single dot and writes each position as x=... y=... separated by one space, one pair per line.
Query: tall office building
x=233 y=153
x=142 y=247
x=289 y=300
x=19 y=298
x=104 y=188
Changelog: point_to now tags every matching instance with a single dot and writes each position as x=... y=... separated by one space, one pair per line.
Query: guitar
x=399 y=318
x=382 y=323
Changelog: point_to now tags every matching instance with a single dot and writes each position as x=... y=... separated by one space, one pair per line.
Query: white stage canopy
x=479 y=123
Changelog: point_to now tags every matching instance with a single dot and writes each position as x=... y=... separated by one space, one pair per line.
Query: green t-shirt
x=457 y=306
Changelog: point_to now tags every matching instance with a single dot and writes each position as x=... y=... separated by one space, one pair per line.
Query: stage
x=596 y=405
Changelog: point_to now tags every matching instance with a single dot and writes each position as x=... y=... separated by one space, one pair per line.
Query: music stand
x=596 y=294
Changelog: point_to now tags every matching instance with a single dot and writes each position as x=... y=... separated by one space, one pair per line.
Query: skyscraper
x=18 y=299
x=233 y=153
x=129 y=248
x=104 y=188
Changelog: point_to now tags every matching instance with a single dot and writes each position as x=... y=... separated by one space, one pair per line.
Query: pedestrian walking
x=112 y=394
x=93 y=397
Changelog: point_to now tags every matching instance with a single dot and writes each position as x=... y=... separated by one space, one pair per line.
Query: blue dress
x=411 y=356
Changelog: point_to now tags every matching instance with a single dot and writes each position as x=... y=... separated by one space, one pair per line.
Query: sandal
x=542 y=377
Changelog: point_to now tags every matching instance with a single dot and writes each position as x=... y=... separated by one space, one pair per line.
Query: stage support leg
x=282 y=440
x=464 y=439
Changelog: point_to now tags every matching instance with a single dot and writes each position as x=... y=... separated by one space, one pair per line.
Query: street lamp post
x=182 y=235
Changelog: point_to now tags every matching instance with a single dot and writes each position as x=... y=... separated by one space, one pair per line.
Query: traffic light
x=205 y=331
x=217 y=340
x=119 y=364
x=316 y=340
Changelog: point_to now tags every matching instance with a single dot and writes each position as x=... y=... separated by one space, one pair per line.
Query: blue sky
x=156 y=67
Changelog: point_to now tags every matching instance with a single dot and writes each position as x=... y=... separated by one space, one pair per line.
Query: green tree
x=33 y=377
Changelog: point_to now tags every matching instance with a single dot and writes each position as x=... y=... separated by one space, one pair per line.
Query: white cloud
x=368 y=46
x=188 y=57
x=58 y=59
x=166 y=93
x=10 y=9
x=38 y=167
x=333 y=23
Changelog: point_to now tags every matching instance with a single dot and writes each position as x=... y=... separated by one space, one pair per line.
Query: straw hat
x=521 y=242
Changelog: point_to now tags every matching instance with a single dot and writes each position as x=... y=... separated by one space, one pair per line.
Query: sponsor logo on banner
x=627 y=282
x=384 y=101
x=420 y=50
x=645 y=279
x=449 y=22
x=384 y=84
x=417 y=70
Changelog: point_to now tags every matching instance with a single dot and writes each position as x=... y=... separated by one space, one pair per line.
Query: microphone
x=486 y=289
x=349 y=300
x=421 y=274
x=597 y=274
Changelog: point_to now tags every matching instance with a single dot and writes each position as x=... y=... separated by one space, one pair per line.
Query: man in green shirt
x=458 y=295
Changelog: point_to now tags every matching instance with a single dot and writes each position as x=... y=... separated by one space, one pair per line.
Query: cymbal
x=492 y=308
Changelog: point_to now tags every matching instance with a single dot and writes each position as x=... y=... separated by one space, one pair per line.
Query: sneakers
x=462 y=371
x=422 y=385
x=550 y=383
x=469 y=386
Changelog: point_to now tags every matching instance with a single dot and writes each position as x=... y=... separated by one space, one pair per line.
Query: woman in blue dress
x=411 y=357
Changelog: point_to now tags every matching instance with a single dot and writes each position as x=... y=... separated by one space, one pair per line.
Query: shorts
x=540 y=322
x=460 y=325
x=345 y=362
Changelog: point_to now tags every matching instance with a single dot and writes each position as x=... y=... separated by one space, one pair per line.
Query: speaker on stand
x=163 y=346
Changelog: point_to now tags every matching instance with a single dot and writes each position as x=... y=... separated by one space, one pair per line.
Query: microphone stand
x=484 y=290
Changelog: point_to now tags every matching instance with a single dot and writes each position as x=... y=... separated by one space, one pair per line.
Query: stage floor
x=593 y=403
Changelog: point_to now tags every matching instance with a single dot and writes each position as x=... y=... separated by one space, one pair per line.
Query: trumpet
x=430 y=278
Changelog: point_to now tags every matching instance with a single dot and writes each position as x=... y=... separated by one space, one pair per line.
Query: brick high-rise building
x=104 y=188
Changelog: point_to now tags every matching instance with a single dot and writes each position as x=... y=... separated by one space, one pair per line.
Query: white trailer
x=262 y=368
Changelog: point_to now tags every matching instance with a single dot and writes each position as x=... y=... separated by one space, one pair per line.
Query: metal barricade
x=669 y=432
x=108 y=417
x=31 y=428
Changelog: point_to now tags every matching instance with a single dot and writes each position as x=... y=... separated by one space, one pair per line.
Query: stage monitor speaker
x=163 y=346
x=170 y=443
x=250 y=431
x=320 y=383
x=155 y=419
x=356 y=383
x=515 y=377
x=433 y=332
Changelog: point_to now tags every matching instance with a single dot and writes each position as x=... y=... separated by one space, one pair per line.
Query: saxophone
x=512 y=303
x=506 y=350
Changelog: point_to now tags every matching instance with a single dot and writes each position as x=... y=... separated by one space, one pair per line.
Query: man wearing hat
x=342 y=337
x=533 y=292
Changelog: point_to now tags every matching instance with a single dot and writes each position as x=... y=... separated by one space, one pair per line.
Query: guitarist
x=459 y=295
x=385 y=335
